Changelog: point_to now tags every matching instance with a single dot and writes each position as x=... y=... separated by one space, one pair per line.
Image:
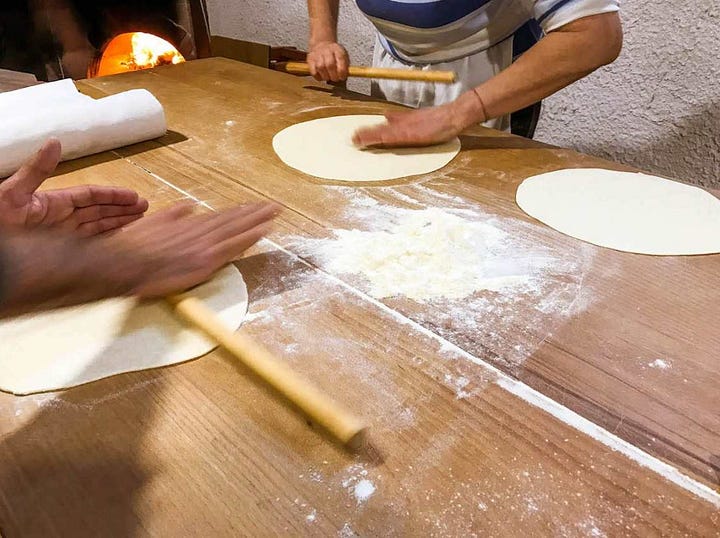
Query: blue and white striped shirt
x=432 y=31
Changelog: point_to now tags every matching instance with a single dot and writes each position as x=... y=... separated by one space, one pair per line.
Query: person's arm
x=559 y=59
x=61 y=19
x=327 y=59
x=167 y=252
x=44 y=270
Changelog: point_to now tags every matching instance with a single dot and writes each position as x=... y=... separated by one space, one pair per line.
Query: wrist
x=321 y=33
x=123 y=267
x=314 y=43
x=469 y=109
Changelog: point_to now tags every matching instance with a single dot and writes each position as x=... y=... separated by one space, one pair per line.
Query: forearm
x=42 y=271
x=323 y=16
x=60 y=18
x=556 y=61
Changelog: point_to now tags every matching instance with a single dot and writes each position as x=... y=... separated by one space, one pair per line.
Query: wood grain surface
x=453 y=391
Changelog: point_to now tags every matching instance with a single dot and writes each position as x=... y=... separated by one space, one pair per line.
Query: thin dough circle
x=323 y=148
x=625 y=211
x=72 y=346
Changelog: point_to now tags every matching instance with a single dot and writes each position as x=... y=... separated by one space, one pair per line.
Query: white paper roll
x=18 y=102
x=84 y=127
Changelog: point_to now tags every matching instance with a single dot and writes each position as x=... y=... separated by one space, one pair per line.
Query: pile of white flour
x=428 y=254
x=497 y=287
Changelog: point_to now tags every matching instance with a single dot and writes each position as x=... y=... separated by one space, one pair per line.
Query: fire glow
x=134 y=51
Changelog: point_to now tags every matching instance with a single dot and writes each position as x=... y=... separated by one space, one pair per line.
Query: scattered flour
x=363 y=490
x=496 y=286
x=458 y=384
x=357 y=483
x=347 y=531
x=659 y=364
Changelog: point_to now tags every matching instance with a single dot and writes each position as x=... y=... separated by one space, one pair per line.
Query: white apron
x=471 y=71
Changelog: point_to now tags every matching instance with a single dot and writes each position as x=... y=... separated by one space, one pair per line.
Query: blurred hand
x=422 y=127
x=328 y=61
x=173 y=250
x=84 y=210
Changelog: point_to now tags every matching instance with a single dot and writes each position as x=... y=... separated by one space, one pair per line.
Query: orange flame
x=134 y=51
x=150 y=51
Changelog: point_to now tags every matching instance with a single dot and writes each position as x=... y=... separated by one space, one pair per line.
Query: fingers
x=164 y=216
x=342 y=63
x=323 y=61
x=107 y=224
x=377 y=136
x=34 y=172
x=187 y=251
x=233 y=247
x=88 y=195
x=403 y=129
x=331 y=63
x=99 y=212
x=328 y=62
x=238 y=221
x=228 y=234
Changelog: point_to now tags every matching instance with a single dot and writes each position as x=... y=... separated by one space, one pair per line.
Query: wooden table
x=537 y=415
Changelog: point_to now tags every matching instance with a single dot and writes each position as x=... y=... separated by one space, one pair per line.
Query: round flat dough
x=72 y=346
x=323 y=148
x=625 y=211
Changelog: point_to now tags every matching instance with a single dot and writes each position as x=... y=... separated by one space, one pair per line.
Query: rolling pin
x=341 y=424
x=445 y=77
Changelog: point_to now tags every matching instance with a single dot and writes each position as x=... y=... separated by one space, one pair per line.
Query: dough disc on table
x=625 y=211
x=72 y=346
x=323 y=148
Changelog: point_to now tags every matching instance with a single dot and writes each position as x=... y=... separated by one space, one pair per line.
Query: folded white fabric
x=83 y=125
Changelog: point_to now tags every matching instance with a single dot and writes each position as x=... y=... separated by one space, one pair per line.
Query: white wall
x=657 y=107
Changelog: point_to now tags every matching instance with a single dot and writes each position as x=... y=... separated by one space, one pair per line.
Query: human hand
x=328 y=61
x=173 y=250
x=423 y=127
x=84 y=210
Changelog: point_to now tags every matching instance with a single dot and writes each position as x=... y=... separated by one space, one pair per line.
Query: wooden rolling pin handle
x=445 y=77
x=316 y=405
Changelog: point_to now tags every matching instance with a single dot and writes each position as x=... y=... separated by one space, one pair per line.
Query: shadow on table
x=271 y=273
x=347 y=95
x=715 y=464
x=75 y=469
x=167 y=140
x=499 y=141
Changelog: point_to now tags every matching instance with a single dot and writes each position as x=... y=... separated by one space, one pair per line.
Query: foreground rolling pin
x=345 y=427
x=446 y=77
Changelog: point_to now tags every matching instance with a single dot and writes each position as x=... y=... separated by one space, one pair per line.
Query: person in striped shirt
x=474 y=39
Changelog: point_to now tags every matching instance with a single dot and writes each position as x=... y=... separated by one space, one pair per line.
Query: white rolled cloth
x=84 y=126
x=51 y=94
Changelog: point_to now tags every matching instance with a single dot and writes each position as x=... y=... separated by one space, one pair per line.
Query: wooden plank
x=204 y=448
x=14 y=80
x=625 y=310
x=242 y=51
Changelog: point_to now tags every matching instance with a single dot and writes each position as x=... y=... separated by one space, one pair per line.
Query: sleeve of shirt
x=552 y=14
